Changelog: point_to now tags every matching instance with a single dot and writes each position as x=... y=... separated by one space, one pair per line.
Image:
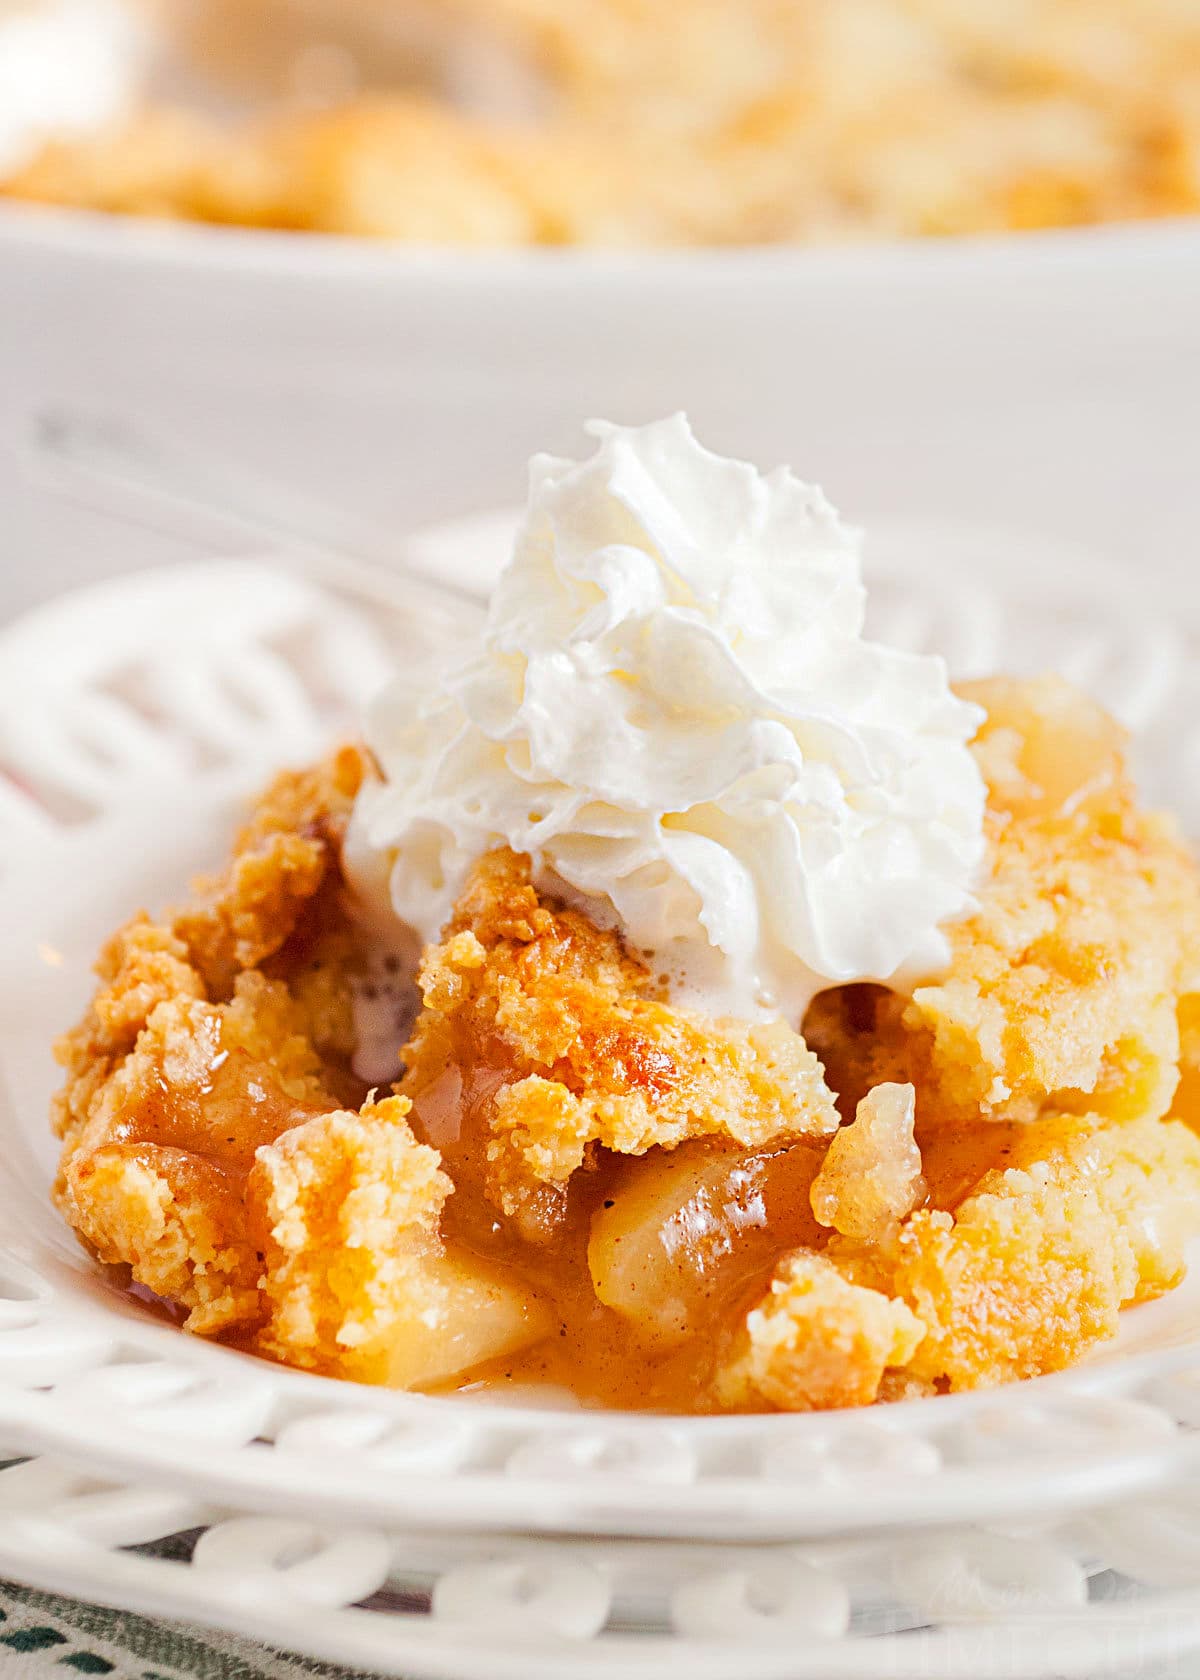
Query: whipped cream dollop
x=674 y=713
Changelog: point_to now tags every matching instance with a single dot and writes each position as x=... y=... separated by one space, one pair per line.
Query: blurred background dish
x=632 y=122
x=1048 y=383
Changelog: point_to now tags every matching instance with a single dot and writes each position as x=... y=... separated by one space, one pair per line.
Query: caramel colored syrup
x=684 y=1242
x=199 y=1121
x=222 y=1120
x=955 y=1157
x=688 y=1278
x=686 y=1281
x=599 y=1355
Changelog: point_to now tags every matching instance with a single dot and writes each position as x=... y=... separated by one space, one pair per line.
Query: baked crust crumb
x=547 y=1032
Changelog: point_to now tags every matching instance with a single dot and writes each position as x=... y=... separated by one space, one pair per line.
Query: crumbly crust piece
x=1187 y=1097
x=1064 y=989
x=817 y=1341
x=141 y=966
x=281 y=859
x=154 y=1178
x=1064 y=986
x=357 y=1281
x=346 y=1209
x=550 y=1023
x=199 y=1119
x=1034 y=1265
x=1030 y=1270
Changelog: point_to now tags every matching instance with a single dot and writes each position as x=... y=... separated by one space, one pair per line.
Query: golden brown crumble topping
x=541 y=1037
x=579 y=1183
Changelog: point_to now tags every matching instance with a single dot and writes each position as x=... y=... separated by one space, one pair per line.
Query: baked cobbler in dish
x=619 y=1130
x=659 y=122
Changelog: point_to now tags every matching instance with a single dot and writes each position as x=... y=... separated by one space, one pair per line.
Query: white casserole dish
x=1046 y=383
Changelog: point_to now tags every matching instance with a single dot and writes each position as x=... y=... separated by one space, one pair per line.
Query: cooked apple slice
x=473 y=1314
x=680 y=1229
x=871 y=1176
x=1046 y=749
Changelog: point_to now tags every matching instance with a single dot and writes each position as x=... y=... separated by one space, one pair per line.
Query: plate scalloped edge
x=1080 y=1599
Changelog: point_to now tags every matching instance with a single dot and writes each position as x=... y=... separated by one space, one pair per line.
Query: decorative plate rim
x=271 y=252
x=1073 y=1599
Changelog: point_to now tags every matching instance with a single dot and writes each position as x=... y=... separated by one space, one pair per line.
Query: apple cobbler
x=648 y=122
x=566 y=1178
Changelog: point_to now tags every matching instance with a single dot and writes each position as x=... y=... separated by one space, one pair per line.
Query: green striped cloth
x=43 y=1637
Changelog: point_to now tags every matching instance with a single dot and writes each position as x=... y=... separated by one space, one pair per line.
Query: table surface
x=44 y=1637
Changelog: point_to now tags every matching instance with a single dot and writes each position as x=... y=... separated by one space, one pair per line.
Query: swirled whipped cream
x=675 y=714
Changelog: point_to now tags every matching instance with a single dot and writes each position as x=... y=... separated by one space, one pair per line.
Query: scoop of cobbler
x=575 y=1181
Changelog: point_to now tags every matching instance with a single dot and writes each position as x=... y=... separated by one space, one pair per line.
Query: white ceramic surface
x=1115 y=1593
x=1046 y=383
x=133 y=717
